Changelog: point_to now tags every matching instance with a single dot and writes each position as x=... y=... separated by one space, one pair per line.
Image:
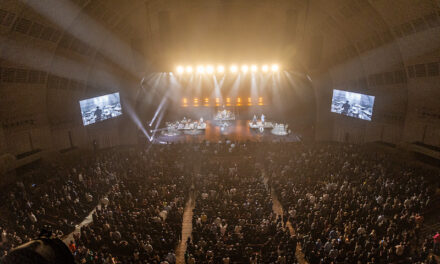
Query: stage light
x=200 y=69
x=275 y=67
x=238 y=100
x=254 y=68
x=228 y=100
x=189 y=69
x=180 y=69
x=185 y=101
x=244 y=68
x=265 y=68
x=249 y=100
x=234 y=68
x=220 y=69
x=209 y=69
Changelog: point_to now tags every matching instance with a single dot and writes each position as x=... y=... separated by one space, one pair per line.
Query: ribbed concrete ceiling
x=54 y=49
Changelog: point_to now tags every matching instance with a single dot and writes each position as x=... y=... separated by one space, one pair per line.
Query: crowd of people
x=352 y=204
x=233 y=219
x=343 y=203
x=140 y=220
x=141 y=195
x=54 y=197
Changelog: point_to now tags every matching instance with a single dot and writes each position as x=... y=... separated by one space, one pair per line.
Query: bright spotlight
x=254 y=68
x=275 y=67
x=265 y=68
x=244 y=68
x=220 y=69
x=200 y=69
x=180 y=69
x=189 y=69
x=209 y=69
x=234 y=68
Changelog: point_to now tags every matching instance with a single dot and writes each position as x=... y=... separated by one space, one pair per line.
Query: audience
x=342 y=204
x=233 y=219
x=351 y=204
x=143 y=219
x=56 y=197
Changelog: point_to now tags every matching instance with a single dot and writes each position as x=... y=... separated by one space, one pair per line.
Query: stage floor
x=238 y=130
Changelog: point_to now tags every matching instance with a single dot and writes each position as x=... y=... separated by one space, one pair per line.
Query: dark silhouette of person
x=98 y=113
x=345 y=108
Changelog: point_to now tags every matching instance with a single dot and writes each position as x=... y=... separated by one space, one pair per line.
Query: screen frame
x=103 y=120
x=349 y=116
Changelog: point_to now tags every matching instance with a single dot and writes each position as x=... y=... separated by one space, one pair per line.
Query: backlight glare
x=209 y=69
x=200 y=69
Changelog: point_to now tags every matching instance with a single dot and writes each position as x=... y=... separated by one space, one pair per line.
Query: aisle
x=278 y=210
x=187 y=219
x=186 y=229
x=87 y=220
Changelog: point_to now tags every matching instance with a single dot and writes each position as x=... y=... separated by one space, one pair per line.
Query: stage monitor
x=100 y=108
x=353 y=104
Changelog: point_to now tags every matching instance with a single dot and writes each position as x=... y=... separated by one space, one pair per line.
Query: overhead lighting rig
x=233 y=68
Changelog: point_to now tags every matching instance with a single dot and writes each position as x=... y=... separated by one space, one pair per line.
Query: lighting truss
x=221 y=69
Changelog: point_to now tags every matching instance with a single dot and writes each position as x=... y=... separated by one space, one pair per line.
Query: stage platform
x=237 y=130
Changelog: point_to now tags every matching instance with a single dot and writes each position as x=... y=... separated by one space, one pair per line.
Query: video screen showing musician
x=345 y=108
x=353 y=104
x=98 y=114
x=100 y=108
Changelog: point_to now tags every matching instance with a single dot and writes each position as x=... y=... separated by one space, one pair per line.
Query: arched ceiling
x=54 y=52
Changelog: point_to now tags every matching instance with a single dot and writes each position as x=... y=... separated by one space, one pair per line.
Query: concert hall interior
x=220 y=131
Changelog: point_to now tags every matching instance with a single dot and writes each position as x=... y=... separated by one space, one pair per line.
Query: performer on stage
x=254 y=120
x=262 y=118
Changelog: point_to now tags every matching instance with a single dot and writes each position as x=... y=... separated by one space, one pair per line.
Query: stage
x=237 y=130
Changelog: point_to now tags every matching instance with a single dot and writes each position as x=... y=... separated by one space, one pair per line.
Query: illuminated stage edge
x=236 y=130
